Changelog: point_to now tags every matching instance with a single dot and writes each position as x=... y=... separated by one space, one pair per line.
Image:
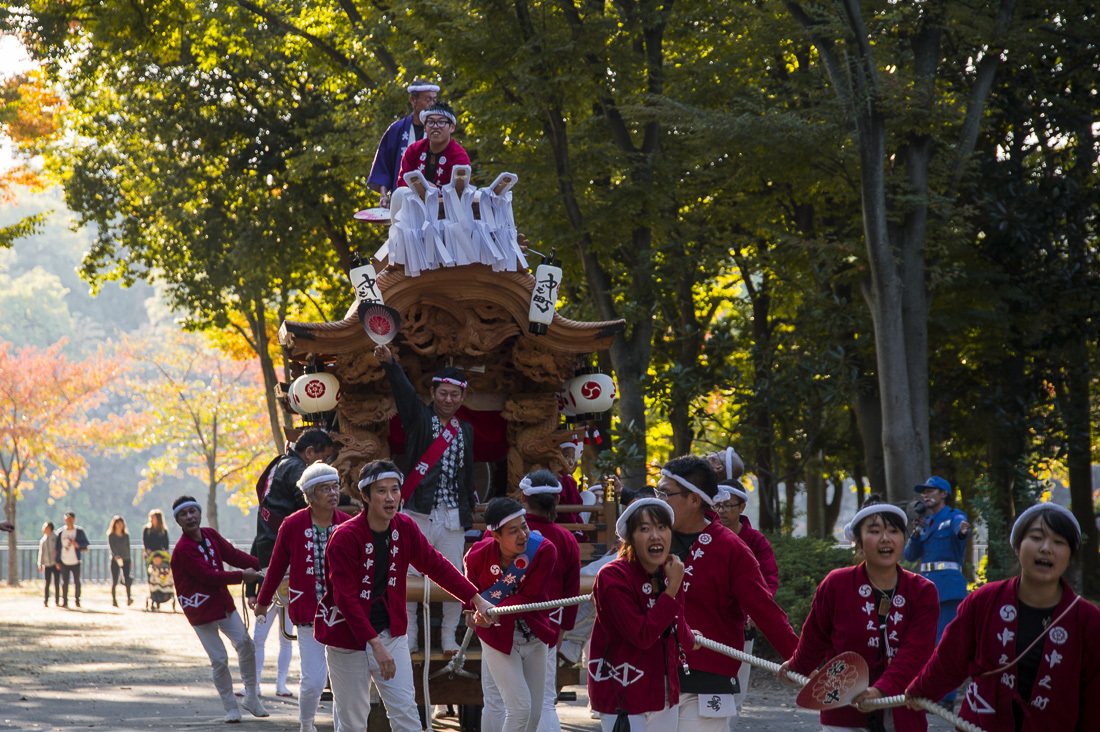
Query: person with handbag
x=640 y=629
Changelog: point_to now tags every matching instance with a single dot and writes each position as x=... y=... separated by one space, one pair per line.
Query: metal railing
x=96 y=561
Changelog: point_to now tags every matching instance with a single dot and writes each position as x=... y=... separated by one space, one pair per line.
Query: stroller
x=161 y=588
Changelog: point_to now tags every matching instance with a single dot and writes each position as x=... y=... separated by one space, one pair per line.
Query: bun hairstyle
x=543 y=502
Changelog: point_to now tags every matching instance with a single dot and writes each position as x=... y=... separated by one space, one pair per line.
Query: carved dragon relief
x=355 y=452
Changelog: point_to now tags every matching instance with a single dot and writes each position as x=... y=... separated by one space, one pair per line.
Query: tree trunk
x=815 y=498
x=1007 y=445
x=832 y=507
x=13 y=542
x=868 y=414
x=1075 y=413
x=790 y=490
x=257 y=323
x=212 y=480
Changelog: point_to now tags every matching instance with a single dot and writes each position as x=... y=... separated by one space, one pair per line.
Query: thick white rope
x=428 y=651
x=927 y=705
x=890 y=701
x=746 y=658
x=533 y=606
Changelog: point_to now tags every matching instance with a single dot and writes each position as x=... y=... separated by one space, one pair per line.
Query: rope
x=427 y=651
x=531 y=607
x=927 y=705
x=746 y=658
x=890 y=701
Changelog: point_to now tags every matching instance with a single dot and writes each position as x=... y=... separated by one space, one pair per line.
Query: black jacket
x=416 y=419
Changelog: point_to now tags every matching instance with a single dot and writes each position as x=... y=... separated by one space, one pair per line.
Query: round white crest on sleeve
x=705 y=538
x=1058 y=635
x=1008 y=613
x=899 y=601
x=394 y=535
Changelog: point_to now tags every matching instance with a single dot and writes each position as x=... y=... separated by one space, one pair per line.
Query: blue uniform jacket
x=940 y=542
x=387 y=159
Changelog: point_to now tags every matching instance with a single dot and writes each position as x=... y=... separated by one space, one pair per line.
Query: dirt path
x=126 y=669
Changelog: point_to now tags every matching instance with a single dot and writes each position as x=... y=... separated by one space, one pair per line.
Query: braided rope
x=890 y=701
x=533 y=606
x=746 y=658
x=927 y=705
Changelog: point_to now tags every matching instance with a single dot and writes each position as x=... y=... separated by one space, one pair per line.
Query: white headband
x=620 y=525
x=689 y=485
x=449 y=380
x=506 y=519
x=727 y=461
x=1027 y=516
x=729 y=491
x=574 y=445
x=322 y=478
x=365 y=482
x=866 y=511
x=422 y=87
x=185 y=504
x=441 y=112
x=534 y=490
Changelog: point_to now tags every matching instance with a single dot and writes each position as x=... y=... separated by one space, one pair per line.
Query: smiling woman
x=878 y=610
x=1029 y=645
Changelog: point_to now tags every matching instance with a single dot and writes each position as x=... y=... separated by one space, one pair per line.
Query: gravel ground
x=127 y=669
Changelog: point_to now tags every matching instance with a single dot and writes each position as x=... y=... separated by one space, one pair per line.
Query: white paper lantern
x=544 y=297
x=591 y=393
x=314 y=393
x=565 y=409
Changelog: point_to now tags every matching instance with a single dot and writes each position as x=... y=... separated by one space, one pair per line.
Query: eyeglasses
x=327 y=488
x=728 y=506
x=665 y=496
x=436 y=122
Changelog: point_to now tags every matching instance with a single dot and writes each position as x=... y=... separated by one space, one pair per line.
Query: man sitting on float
x=435 y=156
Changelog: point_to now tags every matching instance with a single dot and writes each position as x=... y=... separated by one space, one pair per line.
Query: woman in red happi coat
x=640 y=627
x=1029 y=645
x=879 y=610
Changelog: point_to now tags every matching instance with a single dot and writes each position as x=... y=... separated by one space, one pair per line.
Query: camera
x=919 y=508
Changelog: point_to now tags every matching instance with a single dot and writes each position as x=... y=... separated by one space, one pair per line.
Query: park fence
x=96 y=562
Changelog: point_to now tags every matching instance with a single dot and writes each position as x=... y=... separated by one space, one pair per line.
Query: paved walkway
x=101 y=667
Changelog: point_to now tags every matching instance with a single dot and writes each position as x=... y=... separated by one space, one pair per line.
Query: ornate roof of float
x=470 y=293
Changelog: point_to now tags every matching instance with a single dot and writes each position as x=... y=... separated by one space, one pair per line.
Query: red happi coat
x=294 y=551
x=570 y=496
x=202 y=584
x=416 y=157
x=631 y=659
x=981 y=639
x=844 y=617
x=483 y=569
x=722 y=582
x=343 y=614
x=568 y=572
x=762 y=550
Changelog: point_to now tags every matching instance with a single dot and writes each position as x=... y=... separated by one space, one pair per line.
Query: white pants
x=314 y=673
x=513 y=687
x=743 y=682
x=692 y=721
x=451 y=543
x=662 y=721
x=286 y=649
x=549 y=721
x=351 y=673
x=211 y=641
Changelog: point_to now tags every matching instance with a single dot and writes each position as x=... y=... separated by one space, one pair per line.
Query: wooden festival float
x=528 y=368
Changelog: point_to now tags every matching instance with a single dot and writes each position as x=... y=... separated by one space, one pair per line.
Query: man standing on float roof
x=439 y=462
x=401 y=134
